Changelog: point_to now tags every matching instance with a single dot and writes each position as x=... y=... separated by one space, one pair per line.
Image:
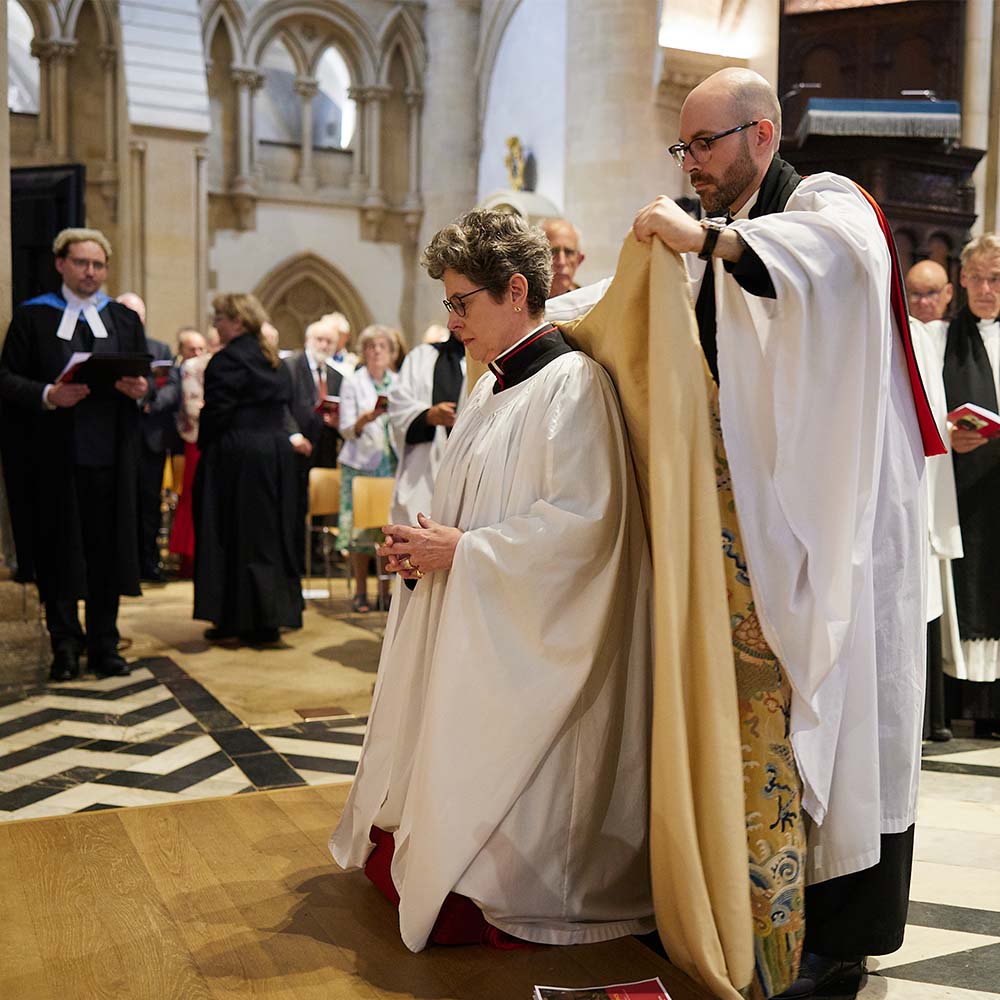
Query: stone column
x=108 y=176
x=242 y=187
x=449 y=131
x=376 y=97
x=613 y=139
x=976 y=95
x=991 y=213
x=307 y=89
x=62 y=51
x=44 y=145
x=358 y=182
x=201 y=234
x=414 y=101
x=136 y=277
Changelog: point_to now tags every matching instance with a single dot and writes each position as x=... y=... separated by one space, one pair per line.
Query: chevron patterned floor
x=155 y=736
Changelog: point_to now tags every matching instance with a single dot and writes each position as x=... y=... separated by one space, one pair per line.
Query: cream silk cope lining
x=643 y=333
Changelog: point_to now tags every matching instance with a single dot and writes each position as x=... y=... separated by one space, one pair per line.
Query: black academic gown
x=100 y=431
x=968 y=378
x=246 y=571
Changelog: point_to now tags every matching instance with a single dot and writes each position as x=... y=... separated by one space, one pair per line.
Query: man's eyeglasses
x=992 y=280
x=569 y=252
x=701 y=148
x=456 y=303
x=920 y=296
x=83 y=264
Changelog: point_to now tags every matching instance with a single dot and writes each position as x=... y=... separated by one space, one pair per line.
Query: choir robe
x=420 y=447
x=508 y=745
x=101 y=430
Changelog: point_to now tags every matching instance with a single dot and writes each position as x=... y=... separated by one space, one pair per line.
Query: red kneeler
x=460 y=920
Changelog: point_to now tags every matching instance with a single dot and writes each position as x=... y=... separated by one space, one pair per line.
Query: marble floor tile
x=228 y=782
x=176 y=757
x=921 y=943
x=128 y=703
x=976 y=888
x=958 y=847
x=81 y=796
x=148 y=730
x=959 y=787
x=314 y=748
x=56 y=763
x=885 y=988
x=109 y=683
x=988 y=757
x=945 y=814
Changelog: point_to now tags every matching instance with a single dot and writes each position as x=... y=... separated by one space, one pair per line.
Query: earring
x=517 y=309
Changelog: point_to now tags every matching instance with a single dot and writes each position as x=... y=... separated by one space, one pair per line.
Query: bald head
x=564 y=239
x=737 y=111
x=928 y=291
x=132 y=301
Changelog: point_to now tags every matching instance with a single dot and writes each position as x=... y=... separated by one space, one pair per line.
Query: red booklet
x=971 y=417
x=328 y=404
x=648 y=989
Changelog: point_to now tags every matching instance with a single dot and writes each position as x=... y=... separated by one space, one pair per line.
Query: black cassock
x=246 y=568
x=44 y=448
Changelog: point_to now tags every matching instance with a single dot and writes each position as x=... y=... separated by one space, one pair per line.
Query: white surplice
x=942 y=503
x=827 y=463
x=508 y=743
x=409 y=396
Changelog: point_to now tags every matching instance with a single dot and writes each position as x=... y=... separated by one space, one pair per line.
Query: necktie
x=320 y=383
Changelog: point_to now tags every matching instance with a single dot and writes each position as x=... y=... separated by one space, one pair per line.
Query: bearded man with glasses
x=971 y=639
x=824 y=423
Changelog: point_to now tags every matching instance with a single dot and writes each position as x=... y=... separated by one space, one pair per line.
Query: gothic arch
x=347 y=31
x=400 y=32
x=106 y=22
x=42 y=19
x=230 y=14
x=308 y=273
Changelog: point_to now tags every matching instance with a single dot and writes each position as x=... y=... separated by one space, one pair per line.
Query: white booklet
x=646 y=989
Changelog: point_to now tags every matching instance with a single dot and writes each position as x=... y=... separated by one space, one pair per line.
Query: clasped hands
x=413 y=551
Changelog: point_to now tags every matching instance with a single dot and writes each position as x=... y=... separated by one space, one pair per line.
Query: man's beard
x=321 y=356
x=737 y=178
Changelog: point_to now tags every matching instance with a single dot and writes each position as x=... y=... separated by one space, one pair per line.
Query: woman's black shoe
x=65 y=665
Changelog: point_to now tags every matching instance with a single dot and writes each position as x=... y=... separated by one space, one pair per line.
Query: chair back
x=324 y=492
x=372 y=498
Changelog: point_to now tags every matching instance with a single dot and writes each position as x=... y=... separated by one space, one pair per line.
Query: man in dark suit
x=158 y=432
x=313 y=378
x=84 y=447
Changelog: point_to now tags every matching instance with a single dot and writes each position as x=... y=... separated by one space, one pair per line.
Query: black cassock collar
x=528 y=357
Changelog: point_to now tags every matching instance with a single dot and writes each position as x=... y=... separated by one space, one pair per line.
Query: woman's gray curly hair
x=489 y=248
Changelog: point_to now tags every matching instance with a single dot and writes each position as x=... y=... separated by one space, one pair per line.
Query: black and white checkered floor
x=160 y=736
x=155 y=736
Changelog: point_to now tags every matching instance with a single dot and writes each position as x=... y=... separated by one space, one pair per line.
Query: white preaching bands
x=74 y=307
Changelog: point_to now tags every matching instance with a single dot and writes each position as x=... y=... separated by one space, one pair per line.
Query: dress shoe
x=218 y=634
x=111 y=665
x=261 y=637
x=940 y=734
x=65 y=665
x=816 y=972
x=153 y=576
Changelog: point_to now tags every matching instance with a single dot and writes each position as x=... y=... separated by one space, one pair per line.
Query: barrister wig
x=248 y=310
x=67 y=237
x=489 y=248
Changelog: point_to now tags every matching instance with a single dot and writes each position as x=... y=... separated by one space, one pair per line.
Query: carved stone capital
x=306 y=87
x=107 y=55
x=53 y=49
x=414 y=98
x=246 y=76
x=364 y=94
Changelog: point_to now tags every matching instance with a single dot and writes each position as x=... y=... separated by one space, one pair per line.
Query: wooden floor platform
x=238 y=897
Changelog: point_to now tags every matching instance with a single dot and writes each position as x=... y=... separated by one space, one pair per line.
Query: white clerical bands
x=407 y=565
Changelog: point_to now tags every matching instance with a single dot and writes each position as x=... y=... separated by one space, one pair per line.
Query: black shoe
x=153 y=576
x=217 y=634
x=940 y=734
x=110 y=665
x=65 y=665
x=816 y=972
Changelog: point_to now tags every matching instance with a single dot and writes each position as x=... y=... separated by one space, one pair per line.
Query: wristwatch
x=712 y=229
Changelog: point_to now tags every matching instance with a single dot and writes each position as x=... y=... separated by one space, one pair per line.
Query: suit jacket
x=158 y=425
x=101 y=430
x=303 y=406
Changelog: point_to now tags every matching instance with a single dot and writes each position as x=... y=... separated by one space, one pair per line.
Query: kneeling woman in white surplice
x=505 y=770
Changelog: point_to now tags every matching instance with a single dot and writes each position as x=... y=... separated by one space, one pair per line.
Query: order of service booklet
x=647 y=989
x=971 y=417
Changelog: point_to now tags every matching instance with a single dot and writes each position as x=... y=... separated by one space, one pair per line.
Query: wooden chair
x=371 y=497
x=324 y=500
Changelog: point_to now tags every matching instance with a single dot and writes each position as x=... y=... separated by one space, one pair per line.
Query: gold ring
x=406 y=564
x=418 y=573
